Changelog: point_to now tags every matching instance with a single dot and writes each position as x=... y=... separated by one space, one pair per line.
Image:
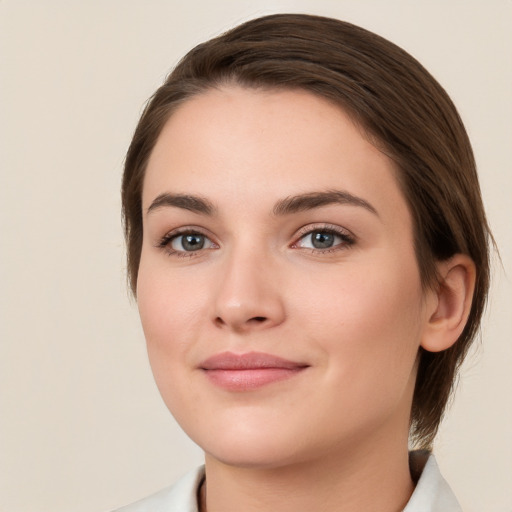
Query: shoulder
x=180 y=497
x=432 y=493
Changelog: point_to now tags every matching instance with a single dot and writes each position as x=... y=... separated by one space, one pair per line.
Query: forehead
x=265 y=143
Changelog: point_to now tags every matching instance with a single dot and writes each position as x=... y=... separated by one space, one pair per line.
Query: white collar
x=432 y=493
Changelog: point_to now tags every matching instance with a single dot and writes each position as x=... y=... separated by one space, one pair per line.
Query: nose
x=248 y=296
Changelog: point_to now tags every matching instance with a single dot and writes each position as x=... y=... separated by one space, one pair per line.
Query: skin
x=355 y=313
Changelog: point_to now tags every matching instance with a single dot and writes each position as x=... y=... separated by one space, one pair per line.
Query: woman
x=309 y=252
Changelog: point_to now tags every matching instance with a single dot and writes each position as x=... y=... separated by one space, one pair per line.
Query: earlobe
x=450 y=310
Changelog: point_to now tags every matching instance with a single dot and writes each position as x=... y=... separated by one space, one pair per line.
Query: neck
x=370 y=478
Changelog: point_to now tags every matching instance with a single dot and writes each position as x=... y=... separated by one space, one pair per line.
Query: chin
x=253 y=457
x=258 y=449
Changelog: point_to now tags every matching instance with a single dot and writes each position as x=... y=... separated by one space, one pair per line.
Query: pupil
x=192 y=242
x=322 y=240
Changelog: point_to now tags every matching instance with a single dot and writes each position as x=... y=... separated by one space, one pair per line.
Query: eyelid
x=347 y=236
x=164 y=242
x=322 y=226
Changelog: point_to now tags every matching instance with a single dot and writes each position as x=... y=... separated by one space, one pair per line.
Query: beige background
x=82 y=427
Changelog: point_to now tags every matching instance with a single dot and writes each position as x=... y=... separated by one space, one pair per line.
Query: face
x=278 y=287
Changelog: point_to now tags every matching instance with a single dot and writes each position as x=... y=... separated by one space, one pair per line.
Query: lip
x=244 y=372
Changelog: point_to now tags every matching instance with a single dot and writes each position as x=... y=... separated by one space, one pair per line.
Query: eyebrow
x=185 y=201
x=286 y=206
x=311 y=200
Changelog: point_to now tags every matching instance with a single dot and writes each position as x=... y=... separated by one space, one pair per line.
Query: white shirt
x=432 y=493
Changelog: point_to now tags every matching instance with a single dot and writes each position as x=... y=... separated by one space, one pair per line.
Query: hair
x=402 y=110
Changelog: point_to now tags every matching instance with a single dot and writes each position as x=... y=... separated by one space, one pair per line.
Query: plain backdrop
x=82 y=427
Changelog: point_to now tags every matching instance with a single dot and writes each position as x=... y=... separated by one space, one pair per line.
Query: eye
x=185 y=242
x=324 y=239
x=189 y=242
x=320 y=240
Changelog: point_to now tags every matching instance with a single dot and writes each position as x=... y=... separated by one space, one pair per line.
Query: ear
x=449 y=308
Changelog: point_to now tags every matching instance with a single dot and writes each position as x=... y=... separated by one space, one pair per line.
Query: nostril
x=240 y=323
x=219 y=321
x=258 y=319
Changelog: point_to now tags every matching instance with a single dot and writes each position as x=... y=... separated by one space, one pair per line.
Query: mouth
x=244 y=372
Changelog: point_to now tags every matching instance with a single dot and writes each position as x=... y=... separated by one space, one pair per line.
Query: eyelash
x=166 y=240
x=347 y=240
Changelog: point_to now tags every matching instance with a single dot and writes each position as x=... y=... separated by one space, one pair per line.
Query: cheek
x=169 y=302
x=169 y=312
x=368 y=320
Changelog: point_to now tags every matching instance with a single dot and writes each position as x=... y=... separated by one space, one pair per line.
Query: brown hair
x=404 y=112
